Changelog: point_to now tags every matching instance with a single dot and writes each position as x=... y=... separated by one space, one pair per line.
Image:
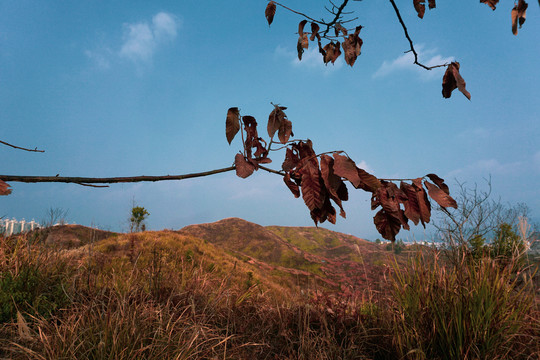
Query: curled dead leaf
x=440 y=196
x=302 y=44
x=274 y=120
x=4 y=188
x=352 y=47
x=301 y=26
x=291 y=159
x=491 y=3
x=331 y=52
x=314 y=31
x=518 y=15
x=423 y=201
x=285 y=131
x=232 y=124
x=420 y=8
x=452 y=79
x=270 y=12
x=387 y=225
x=339 y=28
x=295 y=189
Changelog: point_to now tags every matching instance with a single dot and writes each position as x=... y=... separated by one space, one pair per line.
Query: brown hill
x=69 y=236
x=307 y=254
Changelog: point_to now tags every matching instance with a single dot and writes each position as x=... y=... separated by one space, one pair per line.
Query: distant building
x=9 y=227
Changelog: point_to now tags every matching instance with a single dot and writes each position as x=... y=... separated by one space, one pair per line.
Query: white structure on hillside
x=10 y=227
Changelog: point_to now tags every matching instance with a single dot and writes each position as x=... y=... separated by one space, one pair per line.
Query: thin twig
x=301 y=14
x=336 y=18
x=413 y=50
x=21 y=148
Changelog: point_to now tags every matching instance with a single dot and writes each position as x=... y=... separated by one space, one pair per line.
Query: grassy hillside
x=304 y=256
x=237 y=290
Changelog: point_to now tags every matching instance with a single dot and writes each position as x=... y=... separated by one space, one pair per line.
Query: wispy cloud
x=428 y=57
x=100 y=58
x=487 y=167
x=139 y=43
x=142 y=39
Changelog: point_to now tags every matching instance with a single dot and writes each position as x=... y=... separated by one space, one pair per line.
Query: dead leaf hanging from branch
x=320 y=179
x=518 y=15
x=452 y=80
x=270 y=12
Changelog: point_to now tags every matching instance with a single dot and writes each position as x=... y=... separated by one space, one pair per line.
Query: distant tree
x=54 y=216
x=477 y=246
x=507 y=243
x=138 y=215
x=481 y=224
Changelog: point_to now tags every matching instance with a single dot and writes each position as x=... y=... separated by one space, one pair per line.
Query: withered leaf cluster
x=330 y=52
x=517 y=14
x=320 y=179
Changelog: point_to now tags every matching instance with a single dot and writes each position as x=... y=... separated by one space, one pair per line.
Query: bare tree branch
x=413 y=50
x=337 y=17
x=91 y=181
x=21 y=148
x=86 y=181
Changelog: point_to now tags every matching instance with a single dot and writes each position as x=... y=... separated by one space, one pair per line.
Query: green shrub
x=31 y=290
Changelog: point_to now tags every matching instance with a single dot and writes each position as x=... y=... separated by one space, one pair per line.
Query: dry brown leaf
x=452 y=79
x=420 y=7
x=274 y=120
x=4 y=188
x=339 y=28
x=441 y=197
x=22 y=328
x=302 y=44
x=291 y=159
x=270 y=12
x=439 y=182
x=301 y=28
x=432 y=4
x=412 y=207
x=334 y=185
x=368 y=182
x=352 y=47
x=346 y=168
x=285 y=131
x=491 y=3
x=518 y=15
x=311 y=184
x=232 y=124
x=387 y=225
x=295 y=189
x=243 y=168
x=314 y=31
x=423 y=201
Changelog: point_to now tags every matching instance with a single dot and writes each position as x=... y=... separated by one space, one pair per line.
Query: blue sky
x=125 y=88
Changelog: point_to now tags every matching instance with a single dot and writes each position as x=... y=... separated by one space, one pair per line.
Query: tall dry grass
x=150 y=297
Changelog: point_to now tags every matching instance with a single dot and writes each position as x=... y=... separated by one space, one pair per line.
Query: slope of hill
x=69 y=236
x=277 y=257
x=308 y=254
